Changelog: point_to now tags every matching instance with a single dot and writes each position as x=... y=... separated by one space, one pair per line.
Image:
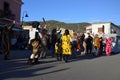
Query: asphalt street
x=81 y=68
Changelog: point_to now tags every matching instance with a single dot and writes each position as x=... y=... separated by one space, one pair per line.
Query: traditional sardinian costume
x=6 y=40
x=34 y=41
x=44 y=41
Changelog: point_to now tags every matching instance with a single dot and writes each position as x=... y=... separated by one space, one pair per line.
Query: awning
x=14 y=28
x=17 y=29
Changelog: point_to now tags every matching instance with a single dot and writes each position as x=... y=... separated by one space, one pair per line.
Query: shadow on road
x=17 y=68
x=77 y=56
x=89 y=56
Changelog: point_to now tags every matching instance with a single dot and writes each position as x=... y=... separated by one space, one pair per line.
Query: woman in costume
x=66 y=45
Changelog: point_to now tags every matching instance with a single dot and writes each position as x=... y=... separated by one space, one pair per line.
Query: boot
x=36 y=61
x=6 y=57
x=30 y=61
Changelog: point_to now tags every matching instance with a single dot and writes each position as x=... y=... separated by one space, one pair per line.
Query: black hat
x=35 y=24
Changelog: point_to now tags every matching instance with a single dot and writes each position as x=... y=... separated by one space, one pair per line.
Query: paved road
x=82 y=68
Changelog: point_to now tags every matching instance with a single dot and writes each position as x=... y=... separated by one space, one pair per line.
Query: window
x=7 y=9
x=6 y=6
x=101 y=29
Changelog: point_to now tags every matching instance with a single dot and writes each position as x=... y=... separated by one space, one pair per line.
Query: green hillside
x=56 y=24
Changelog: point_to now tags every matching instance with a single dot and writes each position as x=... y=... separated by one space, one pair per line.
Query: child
x=58 y=51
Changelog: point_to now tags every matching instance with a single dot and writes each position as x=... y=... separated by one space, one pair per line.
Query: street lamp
x=24 y=15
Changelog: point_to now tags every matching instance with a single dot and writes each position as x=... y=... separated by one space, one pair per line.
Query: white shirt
x=32 y=34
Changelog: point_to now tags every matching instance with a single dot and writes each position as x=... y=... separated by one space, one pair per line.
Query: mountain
x=51 y=24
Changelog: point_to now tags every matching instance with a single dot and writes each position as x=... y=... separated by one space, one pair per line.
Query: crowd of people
x=63 y=46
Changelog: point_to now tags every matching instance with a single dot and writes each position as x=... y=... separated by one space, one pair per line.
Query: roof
x=101 y=22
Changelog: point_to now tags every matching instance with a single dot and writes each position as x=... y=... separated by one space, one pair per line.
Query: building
x=10 y=11
x=103 y=28
x=89 y=29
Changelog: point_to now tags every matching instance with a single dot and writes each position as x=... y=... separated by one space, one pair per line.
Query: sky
x=72 y=11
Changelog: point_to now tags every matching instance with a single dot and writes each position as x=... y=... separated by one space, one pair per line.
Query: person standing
x=83 y=44
x=74 y=44
x=58 y=51
x=34 y=42
x=58 y=47
x=96 y=44
x=53 y=41
x=89 y=44
x=66 y=45
x=101 y=46
x=108 y=46
x=6 y=40
x=44 y=45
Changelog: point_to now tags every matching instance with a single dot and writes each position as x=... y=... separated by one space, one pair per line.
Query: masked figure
x=6 y=40
x=108 y=46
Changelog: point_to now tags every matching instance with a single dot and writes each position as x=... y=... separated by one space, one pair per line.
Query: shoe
x=66 y=61
x=30 y=61
x=6 y=58
x=36 y=61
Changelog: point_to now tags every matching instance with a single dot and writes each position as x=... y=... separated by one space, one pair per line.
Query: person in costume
x=53 y=41
x=44 y=41
x=6 y=40
x=89 y=44
x=34 y=42
x=108 y=46
x=58 y=47
x=66 y=45
x=96 y=44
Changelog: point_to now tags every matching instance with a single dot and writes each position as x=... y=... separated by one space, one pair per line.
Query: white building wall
x=107 y=28
x=95 y=27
